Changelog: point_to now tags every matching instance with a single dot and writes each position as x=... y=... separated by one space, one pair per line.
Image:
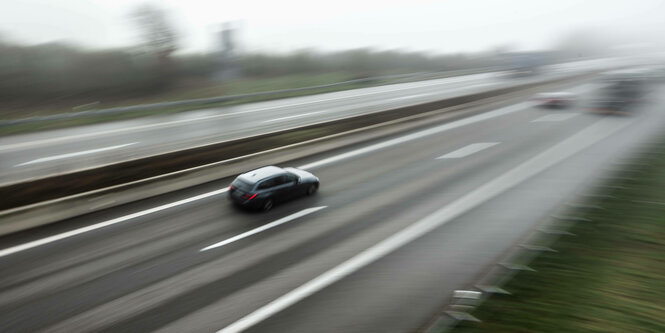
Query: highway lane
x=51 y=152
x=149 y=273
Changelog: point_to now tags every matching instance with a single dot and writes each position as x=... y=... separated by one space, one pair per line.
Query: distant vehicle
x=262 y=188
x=641 y=74
x=658 y=74
x=621 y=92
x=559 y=99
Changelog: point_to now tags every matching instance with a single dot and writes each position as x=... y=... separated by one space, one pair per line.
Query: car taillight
x=231 y=188
x=248 y=196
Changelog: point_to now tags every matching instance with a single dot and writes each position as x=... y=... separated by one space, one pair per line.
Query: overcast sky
x=283 y=25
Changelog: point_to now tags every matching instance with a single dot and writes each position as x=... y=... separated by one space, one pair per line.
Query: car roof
x=261 y=173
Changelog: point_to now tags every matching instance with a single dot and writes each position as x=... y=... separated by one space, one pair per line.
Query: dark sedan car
x=262 y=188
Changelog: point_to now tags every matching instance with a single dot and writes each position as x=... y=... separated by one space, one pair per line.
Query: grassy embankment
x=610 y=277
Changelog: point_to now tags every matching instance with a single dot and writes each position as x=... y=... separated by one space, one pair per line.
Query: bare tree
x=160 y=39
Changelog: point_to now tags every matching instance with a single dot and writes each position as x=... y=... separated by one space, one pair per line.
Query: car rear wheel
x=267 y=205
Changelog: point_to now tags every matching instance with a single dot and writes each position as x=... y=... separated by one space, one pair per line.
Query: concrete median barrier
x=42 y=201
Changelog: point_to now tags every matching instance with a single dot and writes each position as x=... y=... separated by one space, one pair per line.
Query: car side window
x=290 y=178
x=278 y=181
x=286 y=179
x=267 y=184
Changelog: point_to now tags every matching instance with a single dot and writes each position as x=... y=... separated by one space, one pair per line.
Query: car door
x=267 y=189
x=296 y=188
x=284 y=188
x=291 y=186
x=274 y=188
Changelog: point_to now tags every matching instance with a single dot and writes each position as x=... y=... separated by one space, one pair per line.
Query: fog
x=332 y=166
x=432 y=26
x=67 y=55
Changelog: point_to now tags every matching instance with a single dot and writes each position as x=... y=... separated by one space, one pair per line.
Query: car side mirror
x=299 y=180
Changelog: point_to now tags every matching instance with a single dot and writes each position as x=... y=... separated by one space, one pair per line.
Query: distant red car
x=555 y=99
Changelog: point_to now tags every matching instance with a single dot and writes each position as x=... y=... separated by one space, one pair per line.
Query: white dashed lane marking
x=263 y=228
x=80 y=153
x=468 y=150
x=555 y=117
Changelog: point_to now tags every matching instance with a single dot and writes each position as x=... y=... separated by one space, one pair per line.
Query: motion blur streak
x=410 y=137
x=173 y=123
x=563 y=150
x=121 y=219
x=80 y=153
x=421 y=134
x=414 y=136
x=468 y=150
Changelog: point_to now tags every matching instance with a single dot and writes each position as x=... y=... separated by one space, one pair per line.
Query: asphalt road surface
x=397 y=225
x=51 y=152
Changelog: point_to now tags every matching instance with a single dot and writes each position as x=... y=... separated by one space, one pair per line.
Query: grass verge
x=244 y=86
x=95 y=119
x=607 y=278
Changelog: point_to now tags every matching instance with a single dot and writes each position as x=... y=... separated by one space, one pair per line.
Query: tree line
x=63 y=74
x=57 y=71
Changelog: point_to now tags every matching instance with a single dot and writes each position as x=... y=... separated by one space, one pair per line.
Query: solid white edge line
x=555 y=117
x=410 y=97
x=176 y=122
x=264 y=227
x=78 y=153
x=364 y=150
x=333 y=159
x=291 y=117
x=43 y=241
x=561 y=151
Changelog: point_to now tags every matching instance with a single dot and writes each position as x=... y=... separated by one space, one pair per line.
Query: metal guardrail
x=229 y=98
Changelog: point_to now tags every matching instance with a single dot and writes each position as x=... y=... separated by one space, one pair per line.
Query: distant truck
x=621 y=91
